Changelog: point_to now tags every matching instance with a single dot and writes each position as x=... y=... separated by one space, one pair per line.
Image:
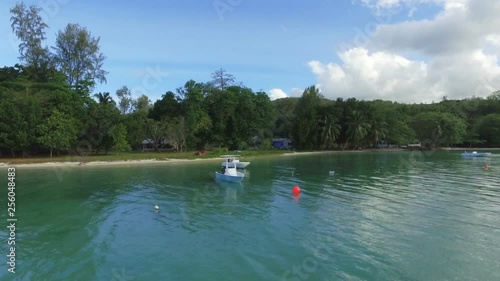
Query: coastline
x=197 y=160
x=78 y=164
x=103 y=163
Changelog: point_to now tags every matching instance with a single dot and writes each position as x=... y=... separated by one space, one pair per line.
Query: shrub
x=266 y=144
x=220 y=150
x=243 y=146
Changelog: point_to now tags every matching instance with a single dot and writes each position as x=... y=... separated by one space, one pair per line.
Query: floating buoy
x=331 y=173
x=156 y=207
x=296 y=190
x=486 y=166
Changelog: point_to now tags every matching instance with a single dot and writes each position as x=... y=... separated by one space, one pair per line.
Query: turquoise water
x=382 y=216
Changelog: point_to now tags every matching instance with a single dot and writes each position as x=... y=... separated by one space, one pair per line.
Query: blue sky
x=266 y=45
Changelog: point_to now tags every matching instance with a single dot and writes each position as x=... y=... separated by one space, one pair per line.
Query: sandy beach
x=175 y=160
x=104 y=163
x=133 y=162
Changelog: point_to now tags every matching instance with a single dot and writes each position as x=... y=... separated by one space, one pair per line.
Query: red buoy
x=296 y=190
x=486 y=166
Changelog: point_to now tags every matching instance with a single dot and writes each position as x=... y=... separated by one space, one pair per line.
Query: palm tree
x=329 y=131
x=378 y=131
x=104 y=98
x=357 y=128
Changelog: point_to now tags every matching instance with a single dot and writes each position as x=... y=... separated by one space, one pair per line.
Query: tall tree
x=306 y=118
x=167 y=106
x=78 y=55
x=357 y=128
x=104 y=98
x=284 y=110
x=221 y=79
x=157 y=132
x=29 y=27
x=102 y=118
x=197 y=121
x=119 y=135
x=177 y=133
x=328 y=126
x=489 y=129
x=125 y=101
x=434 y=128
x=142 y=103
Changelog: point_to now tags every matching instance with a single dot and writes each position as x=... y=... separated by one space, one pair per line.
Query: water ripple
x=380 y=217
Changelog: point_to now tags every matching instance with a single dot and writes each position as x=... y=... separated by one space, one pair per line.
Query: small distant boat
x=476 y=154
x=232 y=162
x=229 y=173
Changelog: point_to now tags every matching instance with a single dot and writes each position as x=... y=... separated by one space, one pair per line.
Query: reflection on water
x=382 y=216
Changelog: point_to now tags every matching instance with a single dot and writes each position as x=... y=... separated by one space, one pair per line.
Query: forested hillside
x=316 y=123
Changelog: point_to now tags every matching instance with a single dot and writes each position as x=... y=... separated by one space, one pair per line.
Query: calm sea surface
x=382 y=216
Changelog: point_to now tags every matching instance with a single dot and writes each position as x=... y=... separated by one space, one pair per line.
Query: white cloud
x=387 y=4
x=276 y=94
x=453 y=30
x=279 y=93
x=458 y=54
x=411 y=12
x=296 y=92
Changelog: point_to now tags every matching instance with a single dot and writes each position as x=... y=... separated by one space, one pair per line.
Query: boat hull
x=237 y=178
x=239 y=165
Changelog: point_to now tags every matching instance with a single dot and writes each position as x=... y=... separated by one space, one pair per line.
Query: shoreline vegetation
x=176 y=157
x=49 y=107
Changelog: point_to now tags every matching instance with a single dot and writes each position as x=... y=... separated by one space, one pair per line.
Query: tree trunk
x=345 y=144
x=12 y=152
x=156 y=148
x=50 y=152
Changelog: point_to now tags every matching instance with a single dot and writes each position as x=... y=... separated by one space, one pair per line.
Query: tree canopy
x=47 y=105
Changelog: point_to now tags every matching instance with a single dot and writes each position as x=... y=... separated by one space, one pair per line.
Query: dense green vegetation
x=318 y=123
x=48 y=104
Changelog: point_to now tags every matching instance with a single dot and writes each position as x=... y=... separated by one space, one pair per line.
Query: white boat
x=232 y=161
x=476 y=154
x=228 y=173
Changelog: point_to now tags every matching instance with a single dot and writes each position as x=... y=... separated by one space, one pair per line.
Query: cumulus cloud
x=279 y=93
x=455 y=29
x=296 y=92
x=458 y=53
x=276 y=94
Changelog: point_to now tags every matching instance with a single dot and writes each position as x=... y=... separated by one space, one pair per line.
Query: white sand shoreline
x=4 y=165
x=104 y=163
